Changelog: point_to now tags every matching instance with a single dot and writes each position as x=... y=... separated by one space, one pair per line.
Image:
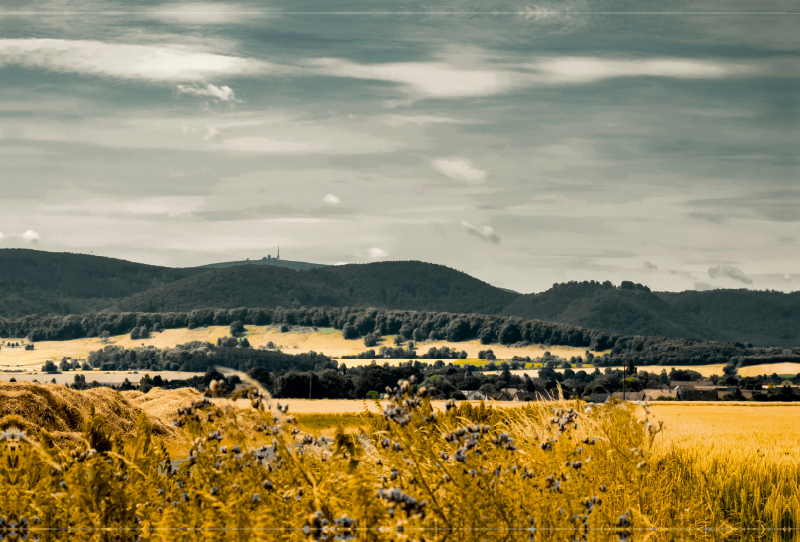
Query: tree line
x=414 y=326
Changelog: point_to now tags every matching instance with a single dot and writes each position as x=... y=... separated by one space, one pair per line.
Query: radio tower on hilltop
x=278 y=257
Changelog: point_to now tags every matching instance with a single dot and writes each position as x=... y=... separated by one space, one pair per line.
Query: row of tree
x=409 y=326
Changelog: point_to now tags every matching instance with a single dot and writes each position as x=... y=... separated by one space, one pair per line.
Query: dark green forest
x=359 y=324
x=763 y=318
x=42 y=283
x=398 y=285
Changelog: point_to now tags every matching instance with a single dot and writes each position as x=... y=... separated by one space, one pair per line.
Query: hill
x=759 y=317
x=405 y=285
x=297 y=266
x=762 y=318
x=39 y=282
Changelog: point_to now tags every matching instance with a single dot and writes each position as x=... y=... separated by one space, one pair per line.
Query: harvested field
x=62 y=412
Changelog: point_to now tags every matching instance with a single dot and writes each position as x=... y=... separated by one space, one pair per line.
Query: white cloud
x=590 y=69
x=649 y=265
x=468 y=75
x=418 y=120
x=376 y=253
x=486 y=233
x=2 y=235
x=330 y=199
x=210 y=134
x=223 y=93
x=437 y=79
x=730 y=272
x=200 y=13
x=125 y=61
x=31 y=236
x=268 y=145
x=460 y=169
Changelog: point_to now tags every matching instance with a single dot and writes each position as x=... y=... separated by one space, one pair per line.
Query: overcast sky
x=524 y=147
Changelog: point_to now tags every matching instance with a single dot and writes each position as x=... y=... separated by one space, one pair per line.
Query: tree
x=244 y=343
x=398 y=339
x=237 y=328
x=261 y=375
x=65 y=365
x=104 y=336
x=135 y=334
x=630 y=367
x=349 y=331
x=370 y=340
x=49 y=367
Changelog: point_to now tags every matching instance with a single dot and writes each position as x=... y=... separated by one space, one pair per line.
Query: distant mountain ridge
x=297 y=266
x=759 y=317
x=39 y=282
x=406 y=285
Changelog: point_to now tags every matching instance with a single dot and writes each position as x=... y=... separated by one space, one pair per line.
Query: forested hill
x=762 y=318
x=405 y=285
x=289 y=264
x=759 y=317
x=38 y=282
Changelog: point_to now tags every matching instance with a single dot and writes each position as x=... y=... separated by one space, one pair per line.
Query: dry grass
x=63 y=412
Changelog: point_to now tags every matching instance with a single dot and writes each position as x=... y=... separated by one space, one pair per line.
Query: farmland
x=327 y=341
x=702 y=471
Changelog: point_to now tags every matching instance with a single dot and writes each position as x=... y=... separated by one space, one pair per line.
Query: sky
x=524 y=144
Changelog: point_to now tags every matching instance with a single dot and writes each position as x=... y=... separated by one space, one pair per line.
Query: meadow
x=406 y=469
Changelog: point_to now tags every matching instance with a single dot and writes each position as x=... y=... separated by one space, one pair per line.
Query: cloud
x=125 y=61
x=730 y=272
x=376 y=253
x=330 y=199
x=486 y=233
x=471 y=75
x=581 y=70
x=417 y=120
x=460 y=169
x=435 y=79
x=703 y=286
x=648 y=265
x=200 y=13
x=223 y=93
x=210 y=134
x=30 y=236
x=2 y=235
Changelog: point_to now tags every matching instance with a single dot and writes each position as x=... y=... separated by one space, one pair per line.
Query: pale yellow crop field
x=770 y=428
x=326 y=341
x=768 y=369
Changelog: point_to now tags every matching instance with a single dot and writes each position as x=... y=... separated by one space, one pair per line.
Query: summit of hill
x=408 y=285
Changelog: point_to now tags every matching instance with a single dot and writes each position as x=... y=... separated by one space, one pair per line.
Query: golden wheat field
x=407 y=470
